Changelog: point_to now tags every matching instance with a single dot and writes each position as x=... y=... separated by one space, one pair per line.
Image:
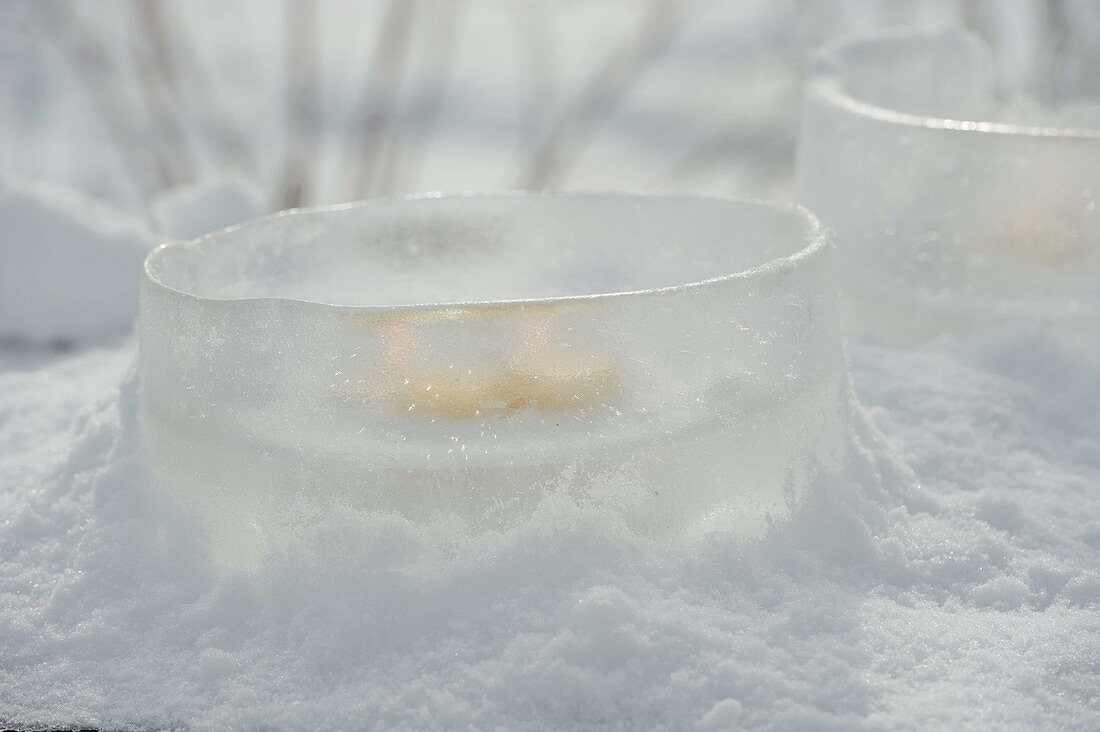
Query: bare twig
x=160 y=91
x=198 y=98
x=571 y=130
x=302 y=83
x=538 y=52
x=93 y=64
x=442 y=41
x=377 y=109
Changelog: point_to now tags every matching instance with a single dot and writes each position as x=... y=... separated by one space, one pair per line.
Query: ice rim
x=816 y=238
x=828 y=74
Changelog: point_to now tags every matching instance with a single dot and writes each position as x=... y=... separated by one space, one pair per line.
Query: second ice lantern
x=956 y=211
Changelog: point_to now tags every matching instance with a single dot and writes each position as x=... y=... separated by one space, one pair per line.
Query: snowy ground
x=969 y=600
x=949 y=579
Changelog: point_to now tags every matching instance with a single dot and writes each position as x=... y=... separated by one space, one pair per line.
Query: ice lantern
x=946 y=224
x=677 y=359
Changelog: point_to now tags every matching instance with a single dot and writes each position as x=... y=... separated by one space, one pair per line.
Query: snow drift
x=71 y=267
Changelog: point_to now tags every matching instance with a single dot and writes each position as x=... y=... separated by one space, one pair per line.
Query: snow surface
x=194 y=209
x=966 y=595
x=71 y=266
x=950 y=579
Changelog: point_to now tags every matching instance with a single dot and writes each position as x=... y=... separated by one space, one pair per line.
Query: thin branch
x=92 y=63
x=391 y=48
x=442 y=39
x=214 y=124
x=570 y=132
x=160 y=91
x=302 y=78
x=539 y=55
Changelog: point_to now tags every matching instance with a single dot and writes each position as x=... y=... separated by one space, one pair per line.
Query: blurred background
x=191 y=114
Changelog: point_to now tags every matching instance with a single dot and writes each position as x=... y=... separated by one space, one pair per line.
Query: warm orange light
x=548 y=384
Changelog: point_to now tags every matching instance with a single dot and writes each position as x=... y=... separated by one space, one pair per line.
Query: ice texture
x=682 y=352
x=947 y=222
x=69 y=267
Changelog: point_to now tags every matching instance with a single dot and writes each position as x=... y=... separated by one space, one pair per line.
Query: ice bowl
x=675 y=359
x=957 y=207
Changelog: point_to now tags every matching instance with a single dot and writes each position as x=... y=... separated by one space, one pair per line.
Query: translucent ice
x=678 y=358
x=948 y=221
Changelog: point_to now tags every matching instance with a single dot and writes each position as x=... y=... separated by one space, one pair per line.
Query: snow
x=946 y=577
x=193 y=209
x=71 y=266
x=965 y=595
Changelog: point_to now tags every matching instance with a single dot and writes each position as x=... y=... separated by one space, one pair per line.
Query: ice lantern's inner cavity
x=950 y=76
x=674 y=359
x=448 y=253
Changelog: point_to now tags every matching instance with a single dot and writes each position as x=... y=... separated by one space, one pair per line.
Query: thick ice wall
x=945 y=224
x=722 y=395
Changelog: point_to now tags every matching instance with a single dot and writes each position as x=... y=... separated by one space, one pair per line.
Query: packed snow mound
x=878 y=605
x=194 y=209
x=70 y=267
x=567 y=620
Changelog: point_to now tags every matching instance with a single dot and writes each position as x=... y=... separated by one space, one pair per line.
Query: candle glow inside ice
x=677 y=359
